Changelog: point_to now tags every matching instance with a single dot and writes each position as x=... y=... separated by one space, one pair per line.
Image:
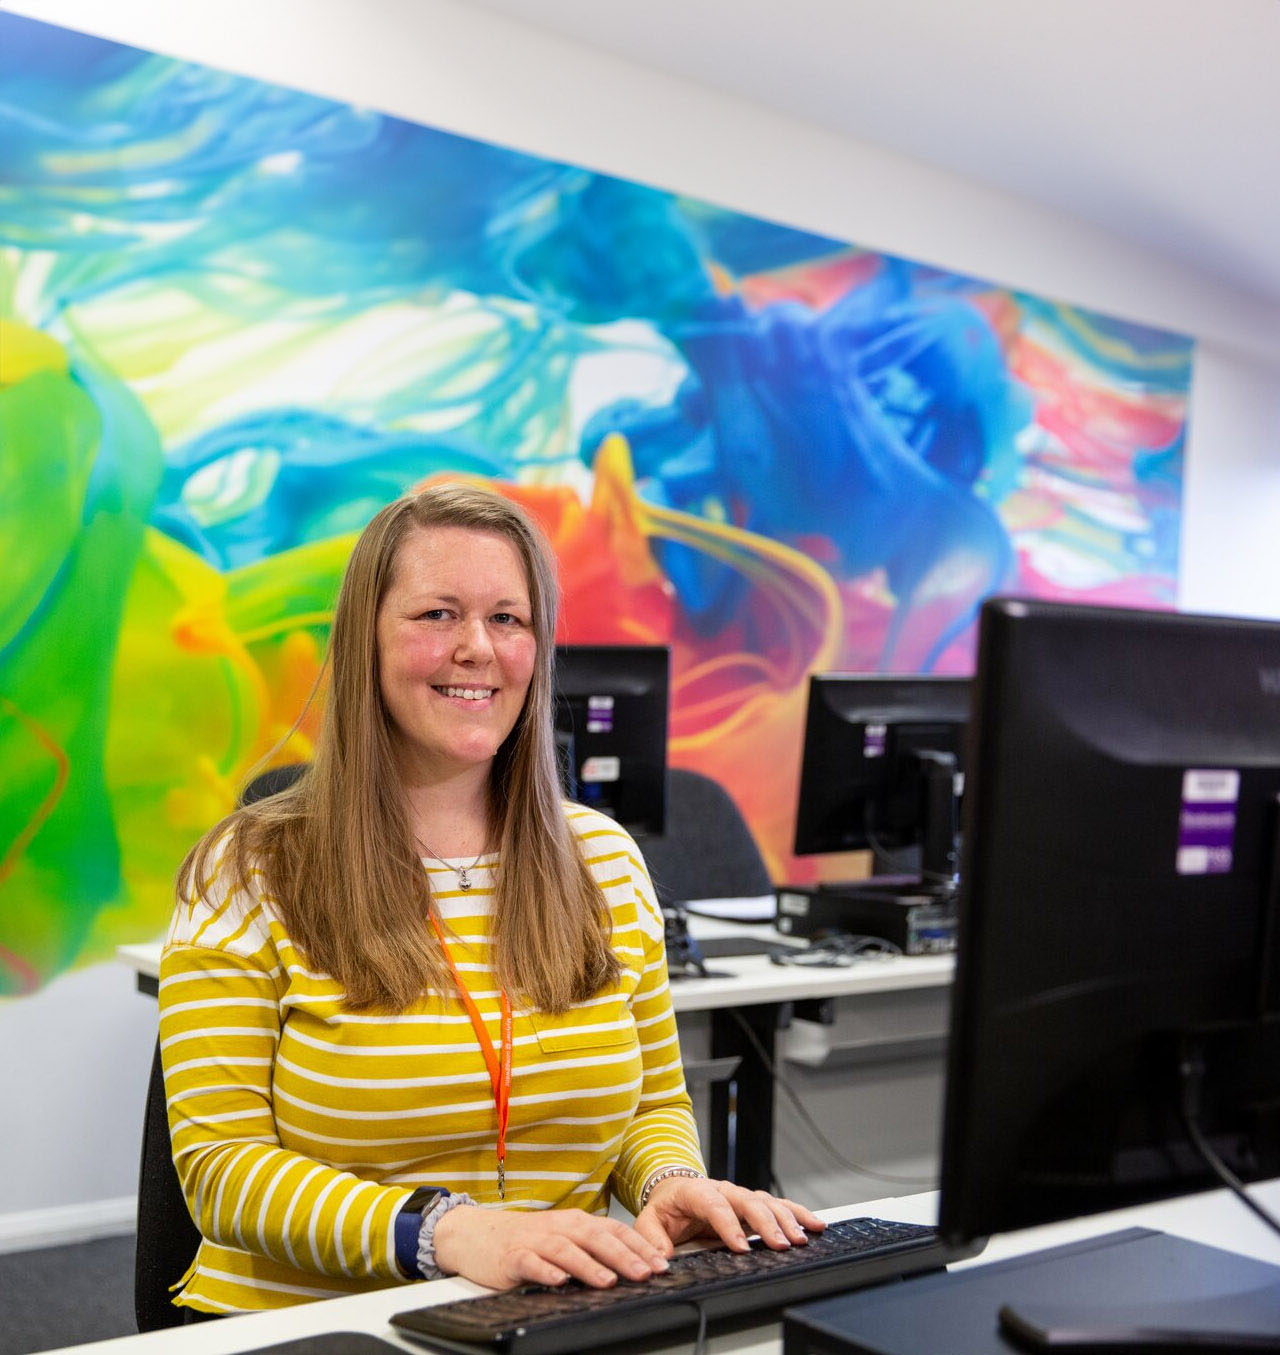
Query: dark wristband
x=408 y=1224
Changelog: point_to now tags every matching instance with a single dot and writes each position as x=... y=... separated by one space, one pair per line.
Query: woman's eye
x=434 y=614
x=506 y=619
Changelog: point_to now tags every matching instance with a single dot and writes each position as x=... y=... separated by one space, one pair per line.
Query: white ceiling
x=1158 y=120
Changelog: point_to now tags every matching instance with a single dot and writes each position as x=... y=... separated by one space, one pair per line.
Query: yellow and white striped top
x=299 y=1128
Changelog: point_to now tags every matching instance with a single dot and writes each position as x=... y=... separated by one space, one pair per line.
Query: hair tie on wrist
x=427 y=1266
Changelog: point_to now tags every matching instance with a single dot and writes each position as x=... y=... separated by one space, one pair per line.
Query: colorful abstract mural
x=236 y=319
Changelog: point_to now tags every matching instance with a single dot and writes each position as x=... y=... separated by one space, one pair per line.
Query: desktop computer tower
x=905 y=913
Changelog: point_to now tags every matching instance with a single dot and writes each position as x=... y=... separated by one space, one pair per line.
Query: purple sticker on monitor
x=599 y=715
x=1207 y=824
x=873 y=740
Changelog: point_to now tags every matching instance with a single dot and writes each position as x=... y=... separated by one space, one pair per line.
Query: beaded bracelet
x=663 y=1175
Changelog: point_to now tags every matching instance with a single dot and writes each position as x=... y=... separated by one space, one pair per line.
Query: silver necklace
x=464 y=877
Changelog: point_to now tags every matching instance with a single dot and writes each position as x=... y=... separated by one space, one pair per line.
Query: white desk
x=748 y=979
x=1216 y=1218
x=726 y=1021
x=886 y=1010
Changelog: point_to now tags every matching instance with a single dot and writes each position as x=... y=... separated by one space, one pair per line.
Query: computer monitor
x=1117 y=957
x=879 y=770
x=611 y=726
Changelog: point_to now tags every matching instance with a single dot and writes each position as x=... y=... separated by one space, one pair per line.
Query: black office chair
x=707 y=851
x=167 y=1238
x=272 y=782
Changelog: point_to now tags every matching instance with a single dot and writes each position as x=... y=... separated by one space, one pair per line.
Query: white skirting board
x=66 y=1224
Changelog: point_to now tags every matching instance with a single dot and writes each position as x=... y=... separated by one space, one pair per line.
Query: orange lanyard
x=499 y=1068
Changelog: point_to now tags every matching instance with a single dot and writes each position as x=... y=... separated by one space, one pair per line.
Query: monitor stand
x=929 y=870
x=1145 y=1330
x=1125 y=1292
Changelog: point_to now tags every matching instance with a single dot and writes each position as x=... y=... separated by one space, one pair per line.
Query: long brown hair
x=336 y=847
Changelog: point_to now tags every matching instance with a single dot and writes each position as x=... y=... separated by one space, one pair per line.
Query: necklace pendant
x=464 y=880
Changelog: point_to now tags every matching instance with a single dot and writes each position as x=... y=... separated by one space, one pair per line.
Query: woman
x=419 y=967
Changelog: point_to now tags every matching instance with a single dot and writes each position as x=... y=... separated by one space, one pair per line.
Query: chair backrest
x=272 y=782
x=707 y=851
x=167 y=1238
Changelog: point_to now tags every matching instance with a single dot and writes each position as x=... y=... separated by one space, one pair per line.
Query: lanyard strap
x=499 y=1066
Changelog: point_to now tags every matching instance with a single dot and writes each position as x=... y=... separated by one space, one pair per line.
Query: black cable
x=699 y=1307
x=1191 y=1073
x=724 y=917
x=700 y=1341
x=1227 y=1176
x=926 y=1183
x=836 y=950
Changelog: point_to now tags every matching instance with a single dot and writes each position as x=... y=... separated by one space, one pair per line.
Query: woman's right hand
x=505 y=1247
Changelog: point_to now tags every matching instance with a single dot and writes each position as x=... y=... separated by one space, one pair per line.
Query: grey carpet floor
x=60 y=1296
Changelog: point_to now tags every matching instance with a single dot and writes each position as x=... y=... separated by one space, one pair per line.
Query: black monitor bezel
x=1040 y=698
x=628 y=671
x=834 y=777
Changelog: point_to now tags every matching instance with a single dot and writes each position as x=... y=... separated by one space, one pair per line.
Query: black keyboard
x=719 y=947
x=540 y=1320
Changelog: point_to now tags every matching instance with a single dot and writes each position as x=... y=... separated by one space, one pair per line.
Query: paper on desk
x=756 y=908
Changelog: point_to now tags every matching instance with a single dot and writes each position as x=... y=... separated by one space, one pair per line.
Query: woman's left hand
x=684 y=1207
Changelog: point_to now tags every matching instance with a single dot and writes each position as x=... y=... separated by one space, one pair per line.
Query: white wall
x=1231 y=532
x=74 y=1063
x=445 y=63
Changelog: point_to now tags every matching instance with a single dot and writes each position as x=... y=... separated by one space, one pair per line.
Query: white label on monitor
x=600 y=716
x=873 y=740
x=1211 y=787
x=1207 y=821
x=797 y=905
x=598 y=769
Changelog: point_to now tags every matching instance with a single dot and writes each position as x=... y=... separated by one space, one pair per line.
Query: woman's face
x=456 y=648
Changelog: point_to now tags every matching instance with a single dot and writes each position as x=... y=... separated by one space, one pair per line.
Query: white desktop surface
x=746 y=980
x=1216 y=1218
